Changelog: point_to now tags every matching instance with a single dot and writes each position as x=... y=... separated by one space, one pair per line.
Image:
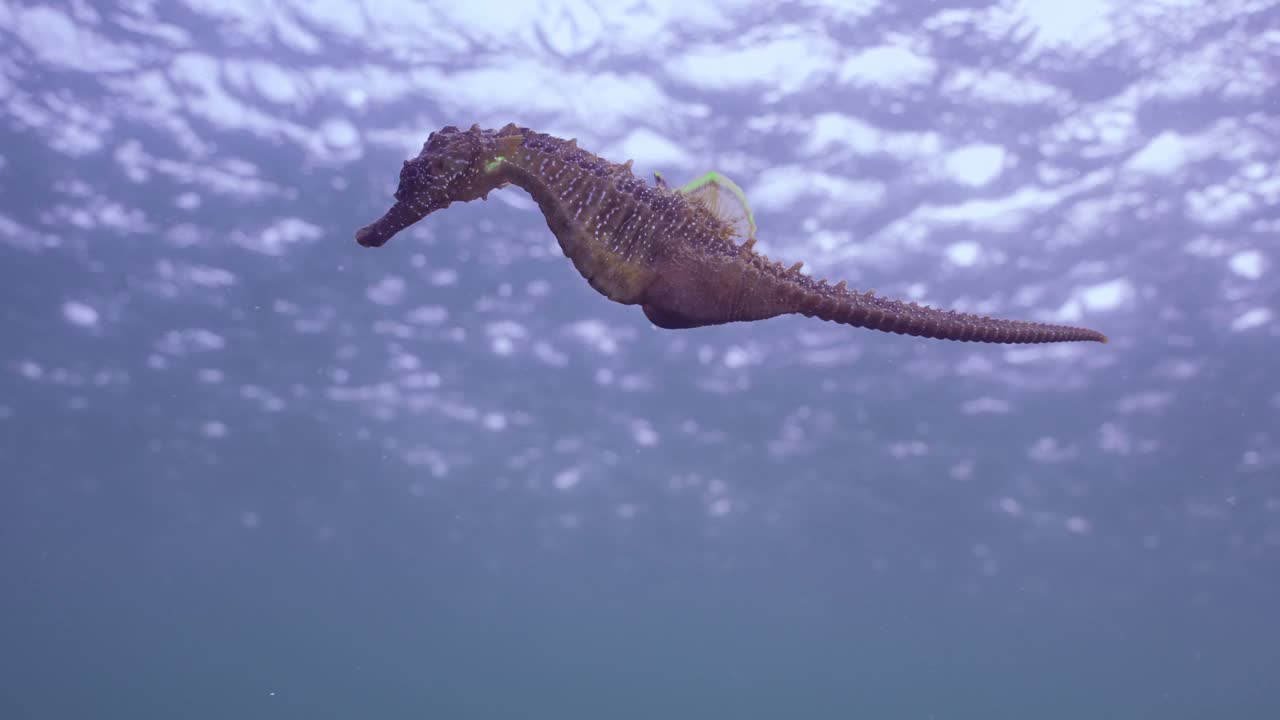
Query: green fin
x=725 y=200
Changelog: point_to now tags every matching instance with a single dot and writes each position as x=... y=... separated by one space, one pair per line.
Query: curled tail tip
x=1082 y=335
x=1020 y=332
x=998 y=331
x=1071 y=333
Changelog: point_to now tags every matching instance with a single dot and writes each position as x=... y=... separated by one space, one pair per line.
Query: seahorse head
x=449 y=169
x=446 y=170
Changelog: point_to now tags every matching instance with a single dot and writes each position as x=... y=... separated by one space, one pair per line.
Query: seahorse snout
x=400 y=216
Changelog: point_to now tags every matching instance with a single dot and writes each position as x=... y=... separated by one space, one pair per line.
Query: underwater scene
x=640 y=360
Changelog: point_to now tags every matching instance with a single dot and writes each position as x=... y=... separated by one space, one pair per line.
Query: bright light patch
x=1079 y=525
x=59 y=41
x=888 y=66
x=1251 y=319
x=736 y=357
x=976 y=164
x=77 y=313
x=276 y=239
x=783 y=64
x=1247 y=263
x=390 y=290
x=650 y=148
x=339 y=133
x=1107 y=296
x=1081 y=23
x=191 y=340
x=781 y=187
x=1219 y=204
x=1010 y=506
x=1164 y=155
x=273 y=83
x=567 y=479
x=644 y=434
x=964 y=253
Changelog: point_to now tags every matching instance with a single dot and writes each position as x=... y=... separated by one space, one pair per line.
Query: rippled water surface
x=250 y=469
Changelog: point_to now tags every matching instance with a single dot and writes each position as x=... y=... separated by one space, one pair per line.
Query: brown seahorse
x=666 y=250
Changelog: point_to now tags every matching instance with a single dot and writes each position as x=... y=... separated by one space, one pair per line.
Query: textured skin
x=653 y=246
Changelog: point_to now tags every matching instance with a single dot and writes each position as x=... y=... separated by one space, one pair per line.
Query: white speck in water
x=1078 y=525
x=1011 y=506
x=77 y=313
x=566 y=479
x=644 y=434
x=736 y=357
x=387 y=291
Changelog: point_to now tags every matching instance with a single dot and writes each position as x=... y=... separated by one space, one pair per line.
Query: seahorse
x=677 y=253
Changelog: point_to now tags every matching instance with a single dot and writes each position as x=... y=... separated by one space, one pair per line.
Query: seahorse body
x=665 y=250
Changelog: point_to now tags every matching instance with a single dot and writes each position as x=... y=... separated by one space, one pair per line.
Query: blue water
x=249 y=469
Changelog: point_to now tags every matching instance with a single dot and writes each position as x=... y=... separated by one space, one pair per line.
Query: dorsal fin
x=724 y=199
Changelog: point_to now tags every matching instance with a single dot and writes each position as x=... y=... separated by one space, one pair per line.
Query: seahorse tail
x=849 y=307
